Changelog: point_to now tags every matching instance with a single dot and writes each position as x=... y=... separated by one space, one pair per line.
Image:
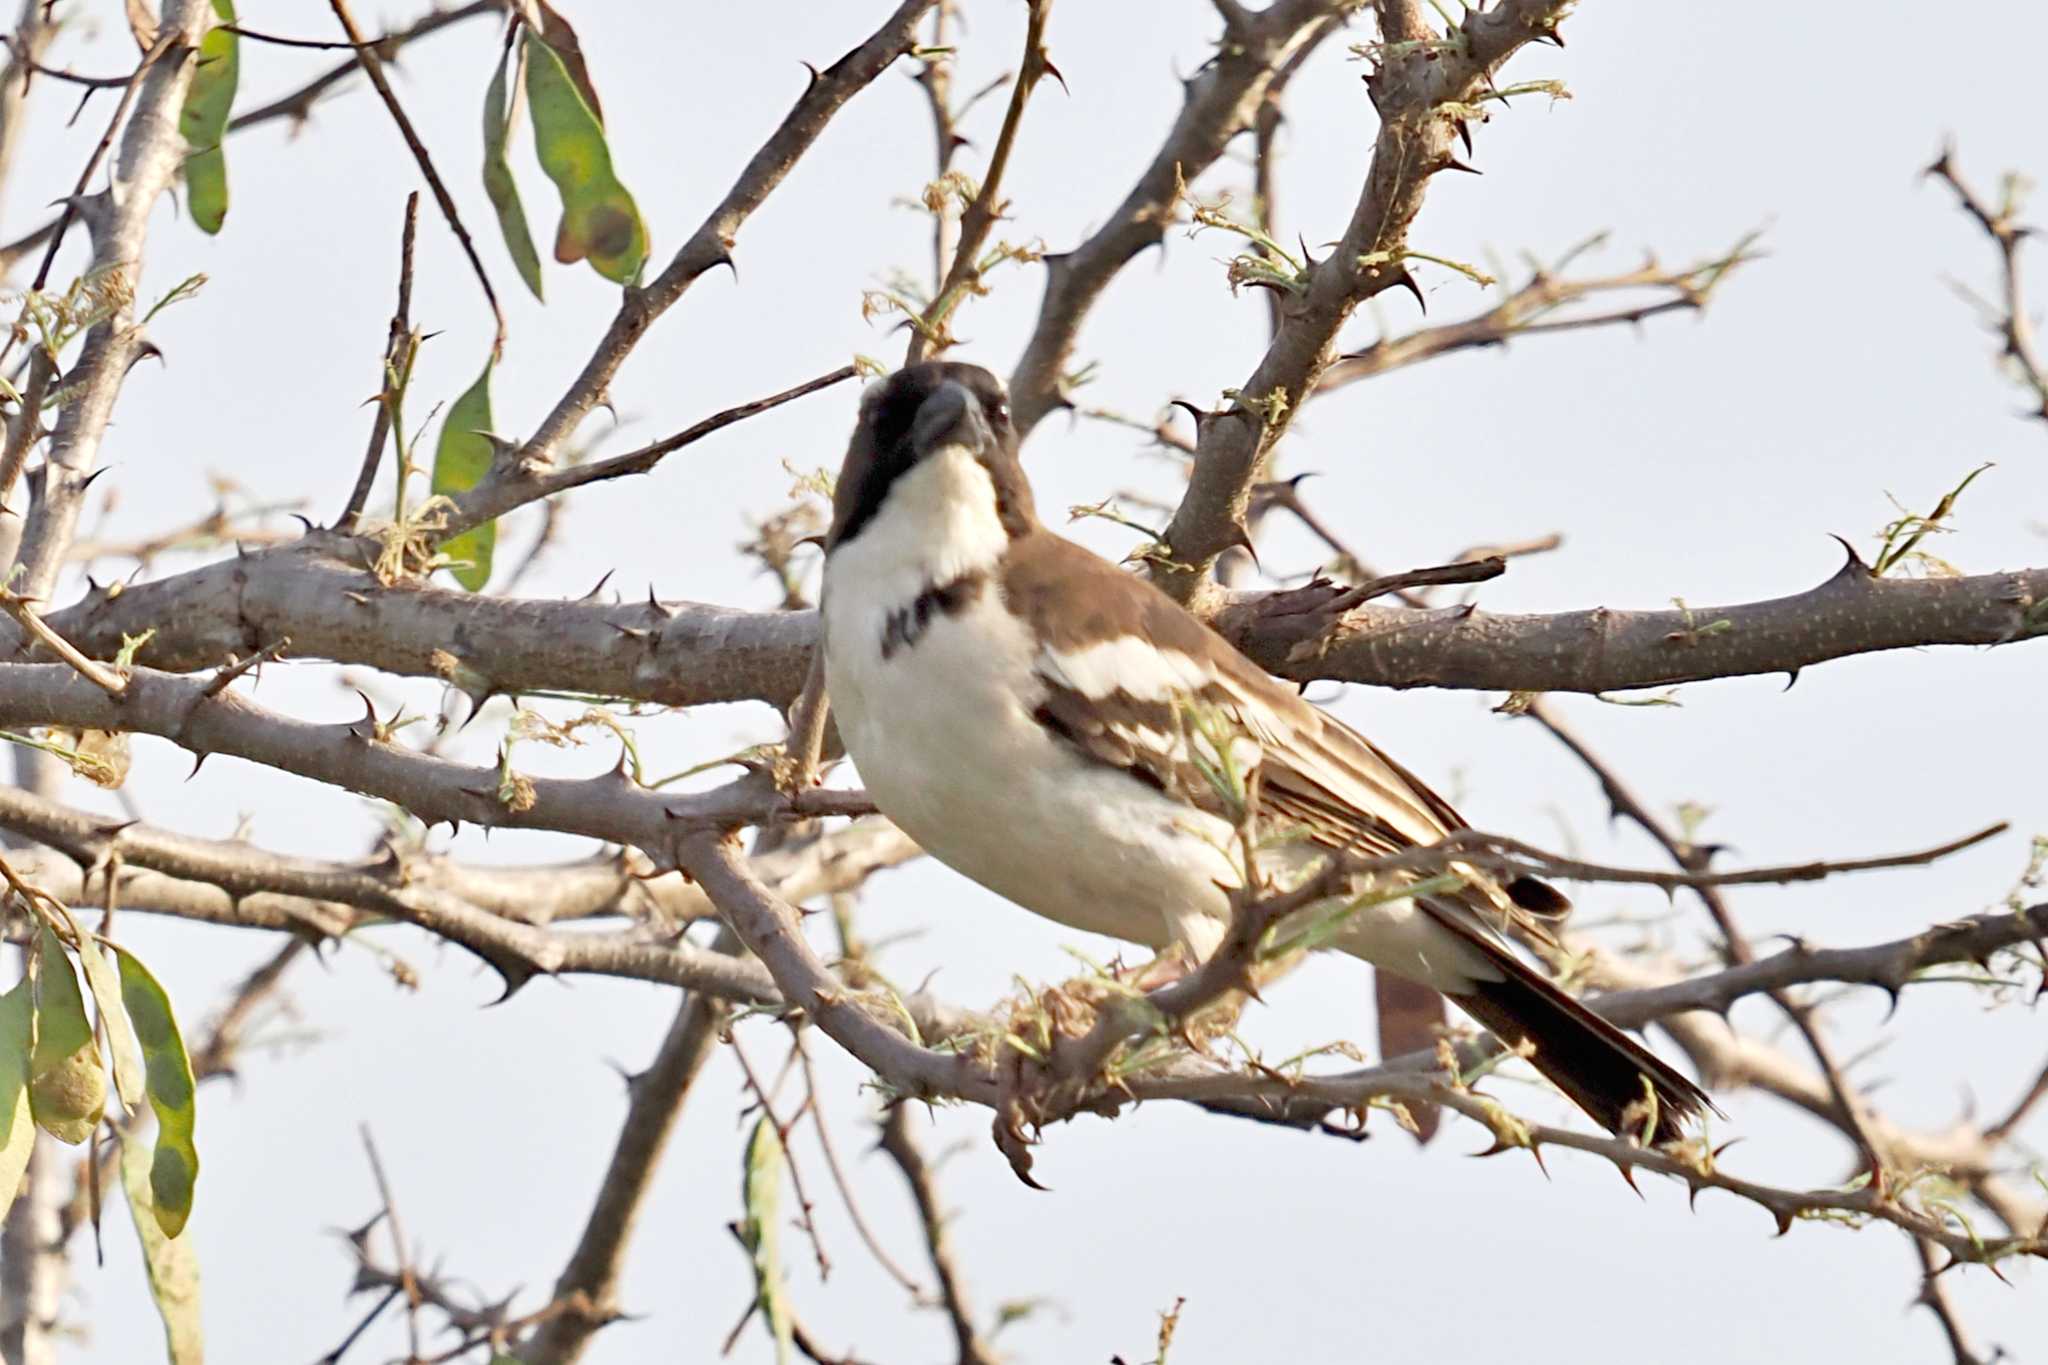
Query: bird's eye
x=999 y=408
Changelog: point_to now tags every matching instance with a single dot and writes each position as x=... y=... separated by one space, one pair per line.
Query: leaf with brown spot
x=600 y=221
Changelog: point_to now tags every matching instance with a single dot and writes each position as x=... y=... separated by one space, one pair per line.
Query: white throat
x=937 y=524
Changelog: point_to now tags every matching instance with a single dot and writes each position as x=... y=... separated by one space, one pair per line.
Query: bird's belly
x=946 y=744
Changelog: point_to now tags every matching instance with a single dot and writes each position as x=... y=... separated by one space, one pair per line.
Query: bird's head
x=935 y=411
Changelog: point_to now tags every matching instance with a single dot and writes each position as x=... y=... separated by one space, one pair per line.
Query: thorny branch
x=320 y=592
x=1424 y=94
x=1542 y=307
x=2009 y=318
x=315 y=590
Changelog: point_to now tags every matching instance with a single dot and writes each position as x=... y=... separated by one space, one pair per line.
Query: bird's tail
x=1603 y=1070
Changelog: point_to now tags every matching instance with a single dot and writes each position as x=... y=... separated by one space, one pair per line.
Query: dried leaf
x=461 y=460
x=17 y=1125
x=171 y=1263
x=204 y=121
x=500 y=186
x=600 y=221
x=168 y=1071
x=67 y=1087
x=761 y=1193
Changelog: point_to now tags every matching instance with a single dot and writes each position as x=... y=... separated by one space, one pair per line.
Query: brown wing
x=1124 y=666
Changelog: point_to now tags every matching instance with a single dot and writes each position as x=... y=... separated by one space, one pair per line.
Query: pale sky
x=1703 y=459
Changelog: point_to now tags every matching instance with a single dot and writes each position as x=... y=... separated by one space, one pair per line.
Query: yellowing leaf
x=169 y=1074
x=600 y=221
x=204 y=121
x=500 y=186
x=67 y=1085
x=17 y=1125
x=171 y=1264
x=761 y=1192
x=105 y=983
x=556 y=33
x=461 y=460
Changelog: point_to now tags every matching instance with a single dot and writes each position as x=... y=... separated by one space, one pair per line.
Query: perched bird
x=1020 y=707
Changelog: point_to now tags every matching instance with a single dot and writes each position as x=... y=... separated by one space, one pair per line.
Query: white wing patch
x=1135 y=667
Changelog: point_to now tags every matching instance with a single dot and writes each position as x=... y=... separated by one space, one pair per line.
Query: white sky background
x=1707 y=460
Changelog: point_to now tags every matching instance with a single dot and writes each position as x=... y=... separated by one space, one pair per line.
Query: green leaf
x=67 y=1087
x=169 y=1074
x=761 y=1193
x=460 y=461
x=556 y=33
x=17 y=1125
x=105 y=984
x=599 y=218
x=500 y=186
x=171 y=1263
x=204 y=121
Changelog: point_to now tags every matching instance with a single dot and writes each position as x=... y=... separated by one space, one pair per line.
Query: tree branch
x=2010 y=320
x=1222 y=99
x=711 y=244
x=1531 y=310
x=118 y=219
x=1422 y=92
x=686 y=654
x=587 y=1290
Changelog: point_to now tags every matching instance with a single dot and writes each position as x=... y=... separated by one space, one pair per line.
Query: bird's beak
x=952 y=416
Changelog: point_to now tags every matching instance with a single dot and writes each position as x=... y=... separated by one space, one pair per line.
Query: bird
x=1020 y=707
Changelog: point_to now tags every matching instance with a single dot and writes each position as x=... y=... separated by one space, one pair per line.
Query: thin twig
x=929 y=333
x=394 y=351
x=130 y=88
x=902 y=1146
x=297 y=104
x=373 y=67
x=1738 y=952
x=2014 y=326
x=860 y=1222
x=782 y=1131
x=498 y=495
x=317 y=44
x=220 y=681
x=407 y=1280
x=100 y=676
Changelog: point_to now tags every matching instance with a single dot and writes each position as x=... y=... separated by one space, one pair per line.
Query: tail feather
x=1602 y=1069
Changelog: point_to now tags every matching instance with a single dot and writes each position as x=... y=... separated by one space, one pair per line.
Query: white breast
x=943 y=734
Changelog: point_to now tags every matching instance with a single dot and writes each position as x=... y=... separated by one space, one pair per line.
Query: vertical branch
x=586 y=1294
x=33 y=1270
x=394 y=355
x=937 y=80
x=33 y=1267
x=118 y=219
x=1266 y=156
x=373 y=67
x=979 y=220
x=33 y=32
x=408 y=1281
x=902 y=1146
